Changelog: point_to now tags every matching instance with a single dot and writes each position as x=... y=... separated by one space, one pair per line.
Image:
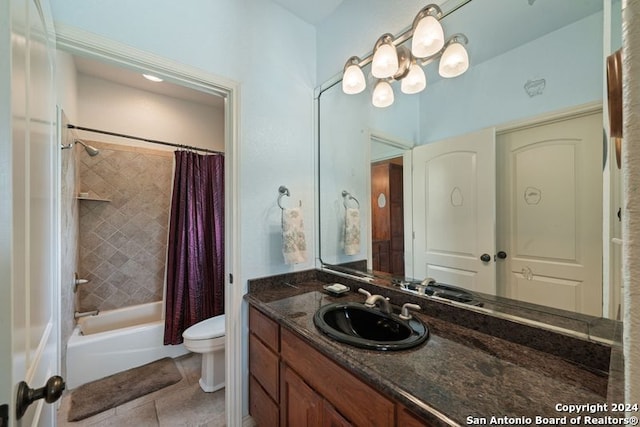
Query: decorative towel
x=294 y=246
x=352 y=231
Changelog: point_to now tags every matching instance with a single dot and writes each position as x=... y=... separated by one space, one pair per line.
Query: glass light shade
x=353 y=80
x=454 y=61
x=415 y=81
x=385 y=61
x=382 y=94
x=428 y=37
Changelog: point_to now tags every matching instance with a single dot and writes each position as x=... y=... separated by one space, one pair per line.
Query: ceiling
x=311 y=11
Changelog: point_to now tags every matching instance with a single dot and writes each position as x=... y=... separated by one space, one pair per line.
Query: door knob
x=501 y=255
x=485 y=257
x=51 y=392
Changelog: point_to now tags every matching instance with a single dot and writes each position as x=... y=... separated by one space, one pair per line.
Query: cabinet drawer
x=358 y=402
x=264 y=328
x=263 y=410
x=263 y=365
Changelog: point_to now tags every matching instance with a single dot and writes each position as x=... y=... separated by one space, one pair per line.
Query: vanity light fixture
x=353 y=78
x=391 y=61
x=152 y=78
x=455 y=59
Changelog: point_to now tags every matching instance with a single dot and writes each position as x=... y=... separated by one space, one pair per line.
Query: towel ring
x=348 y=196
x=284 y=191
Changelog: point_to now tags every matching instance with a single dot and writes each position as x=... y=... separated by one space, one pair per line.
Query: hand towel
x=294 y=246
x=352 y=231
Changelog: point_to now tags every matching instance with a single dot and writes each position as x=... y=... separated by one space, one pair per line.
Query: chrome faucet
x=375 y=300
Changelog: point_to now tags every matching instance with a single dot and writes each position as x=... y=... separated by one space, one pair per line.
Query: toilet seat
x=207 y=329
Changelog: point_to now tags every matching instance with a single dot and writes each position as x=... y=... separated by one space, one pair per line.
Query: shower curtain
x=195 y=254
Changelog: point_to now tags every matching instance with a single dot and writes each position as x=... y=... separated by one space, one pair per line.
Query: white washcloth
x=294 y=246
x=352 y=231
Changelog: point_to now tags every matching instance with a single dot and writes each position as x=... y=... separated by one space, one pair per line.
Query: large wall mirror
x=497 y=181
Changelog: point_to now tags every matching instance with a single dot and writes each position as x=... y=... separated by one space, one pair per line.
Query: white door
x=28 y=209
x=454 y=211
x=550 y=214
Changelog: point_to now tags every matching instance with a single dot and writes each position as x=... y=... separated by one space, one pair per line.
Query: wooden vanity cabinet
x=291 y=384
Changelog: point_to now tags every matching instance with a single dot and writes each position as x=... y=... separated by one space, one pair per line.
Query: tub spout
x=78 y=281
x=78 y=314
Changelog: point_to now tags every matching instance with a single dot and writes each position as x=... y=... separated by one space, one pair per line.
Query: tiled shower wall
x=123 y=241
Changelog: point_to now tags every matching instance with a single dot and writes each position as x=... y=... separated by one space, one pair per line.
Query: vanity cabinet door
x=300 y=405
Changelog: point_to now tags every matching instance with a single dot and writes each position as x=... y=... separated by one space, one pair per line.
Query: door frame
x=80 y=42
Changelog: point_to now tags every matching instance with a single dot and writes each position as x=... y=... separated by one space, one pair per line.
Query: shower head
x=92 y=151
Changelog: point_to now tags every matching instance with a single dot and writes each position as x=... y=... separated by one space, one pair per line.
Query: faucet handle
x=364 y=292
x=405 y=314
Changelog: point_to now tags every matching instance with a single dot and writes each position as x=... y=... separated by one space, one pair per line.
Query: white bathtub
x=117 y=340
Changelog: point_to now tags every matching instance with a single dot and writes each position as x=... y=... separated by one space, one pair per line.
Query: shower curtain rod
x=153 y=141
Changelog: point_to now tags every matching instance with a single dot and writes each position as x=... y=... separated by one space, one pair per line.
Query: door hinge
x=230 y=279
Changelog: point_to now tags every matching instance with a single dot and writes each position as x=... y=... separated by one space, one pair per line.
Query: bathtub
x=117 y=340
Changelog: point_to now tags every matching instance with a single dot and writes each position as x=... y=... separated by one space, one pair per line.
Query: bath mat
x=106 y=393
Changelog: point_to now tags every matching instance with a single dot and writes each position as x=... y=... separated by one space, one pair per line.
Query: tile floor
x=180 y=404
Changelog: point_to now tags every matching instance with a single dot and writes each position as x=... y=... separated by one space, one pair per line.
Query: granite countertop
x=458 y=373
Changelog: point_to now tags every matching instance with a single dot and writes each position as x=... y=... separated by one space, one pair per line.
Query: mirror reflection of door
x=453 y=211
x=387 y=216
x=549 y=216
x=389 y=194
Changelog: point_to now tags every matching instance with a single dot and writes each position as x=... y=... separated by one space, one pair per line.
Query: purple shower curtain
x=195 y=254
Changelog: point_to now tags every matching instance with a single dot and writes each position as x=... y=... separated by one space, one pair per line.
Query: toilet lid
x=212 y=327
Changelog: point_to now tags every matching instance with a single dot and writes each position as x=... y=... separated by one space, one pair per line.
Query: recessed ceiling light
x=152 y=78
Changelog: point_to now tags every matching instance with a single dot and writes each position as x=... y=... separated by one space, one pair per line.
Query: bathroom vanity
x=299 y=376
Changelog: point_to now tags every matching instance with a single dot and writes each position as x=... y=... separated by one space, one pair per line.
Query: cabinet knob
x=501 y=255
x=485 y=258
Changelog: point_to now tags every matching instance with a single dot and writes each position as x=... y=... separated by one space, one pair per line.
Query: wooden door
x=29 y=246
x=550 y=214
x=454 y=211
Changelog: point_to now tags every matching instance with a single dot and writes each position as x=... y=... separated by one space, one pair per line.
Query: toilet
x=207 y=338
